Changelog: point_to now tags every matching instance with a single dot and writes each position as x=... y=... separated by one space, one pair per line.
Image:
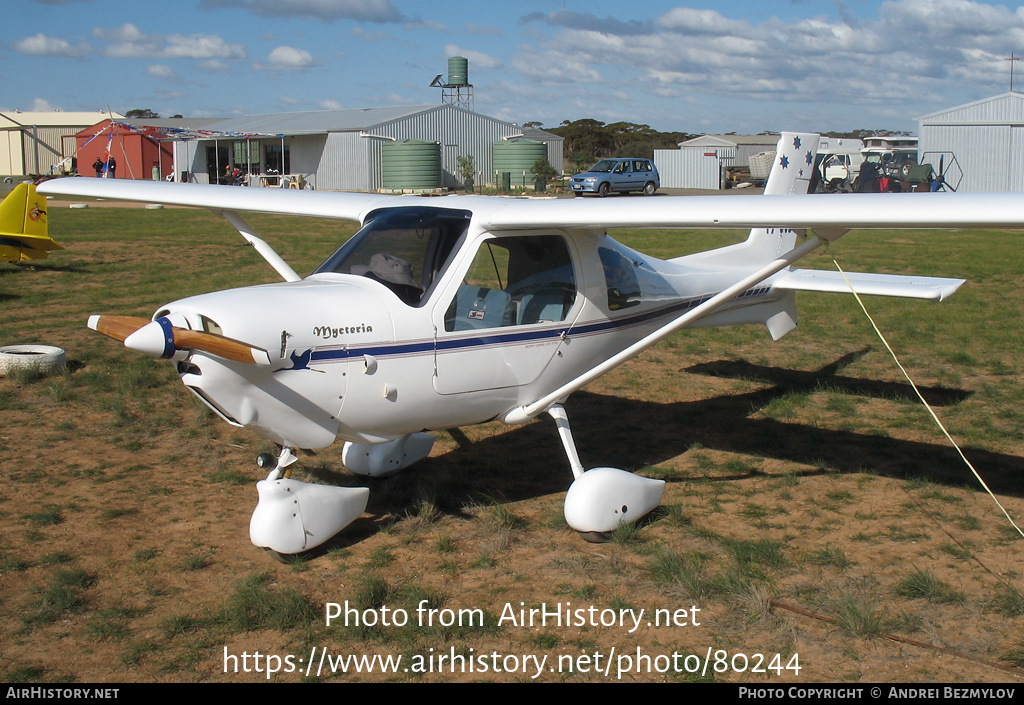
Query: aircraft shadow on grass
x=527 y=462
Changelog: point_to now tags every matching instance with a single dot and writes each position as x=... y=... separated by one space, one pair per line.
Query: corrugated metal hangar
x=979 y=146
x=38 y=142
x=346 y=149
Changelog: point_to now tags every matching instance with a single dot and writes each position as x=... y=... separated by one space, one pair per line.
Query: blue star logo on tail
x=796 y=143
x=784 y=162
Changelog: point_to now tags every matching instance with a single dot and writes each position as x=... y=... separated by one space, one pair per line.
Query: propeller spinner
x=160 y=338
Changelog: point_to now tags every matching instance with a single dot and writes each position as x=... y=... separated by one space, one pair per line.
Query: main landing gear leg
x=600 y=499
x=293 y=516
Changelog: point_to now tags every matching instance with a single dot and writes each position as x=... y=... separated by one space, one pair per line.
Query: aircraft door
x=507 y=318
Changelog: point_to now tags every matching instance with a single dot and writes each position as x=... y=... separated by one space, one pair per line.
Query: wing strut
x=521 y=414
x=266 y=251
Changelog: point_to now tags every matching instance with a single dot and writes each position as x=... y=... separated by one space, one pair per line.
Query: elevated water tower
x=458 y=91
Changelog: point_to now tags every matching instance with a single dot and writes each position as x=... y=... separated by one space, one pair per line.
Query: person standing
x=112 y=168
x=98 y=166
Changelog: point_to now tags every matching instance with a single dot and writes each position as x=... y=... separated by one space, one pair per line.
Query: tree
x=588 y=140
x=467 y=170
x=543 y=172
x=141 y=113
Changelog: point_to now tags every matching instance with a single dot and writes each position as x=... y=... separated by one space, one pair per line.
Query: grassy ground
x=813 y=515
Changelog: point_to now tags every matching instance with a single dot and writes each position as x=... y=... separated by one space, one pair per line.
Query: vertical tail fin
x=790 y=174
x=23 y=229
x=794 y=162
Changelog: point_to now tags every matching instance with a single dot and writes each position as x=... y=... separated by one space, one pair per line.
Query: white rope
x=926 y=405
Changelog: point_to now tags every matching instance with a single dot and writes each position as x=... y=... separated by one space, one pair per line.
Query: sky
x=698 y=67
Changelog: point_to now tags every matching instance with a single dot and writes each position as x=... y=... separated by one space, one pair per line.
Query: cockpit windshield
x=405 y=249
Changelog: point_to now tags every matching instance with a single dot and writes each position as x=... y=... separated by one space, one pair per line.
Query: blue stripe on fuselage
x=495 y=338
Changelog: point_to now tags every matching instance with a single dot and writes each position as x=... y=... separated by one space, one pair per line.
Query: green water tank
x=458 y=71
x=516 y=157
x=411 y=164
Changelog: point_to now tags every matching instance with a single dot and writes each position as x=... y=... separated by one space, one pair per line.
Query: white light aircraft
x=446 y=312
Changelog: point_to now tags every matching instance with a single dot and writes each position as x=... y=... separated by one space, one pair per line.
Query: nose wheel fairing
x=601 y=499
x=294 y=516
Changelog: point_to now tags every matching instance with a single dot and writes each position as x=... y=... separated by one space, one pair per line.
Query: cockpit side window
x=405 y=249
x=515 y=281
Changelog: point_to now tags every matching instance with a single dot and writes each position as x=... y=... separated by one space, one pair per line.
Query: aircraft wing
x=908 y=287
x=318 y=204
x=817 y=211
x=823 y=213
x=820 y=212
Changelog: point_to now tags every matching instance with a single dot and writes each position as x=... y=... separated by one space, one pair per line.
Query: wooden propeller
x=160 y=339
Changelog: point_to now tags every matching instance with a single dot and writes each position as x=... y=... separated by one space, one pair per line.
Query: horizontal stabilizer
x=908 y=287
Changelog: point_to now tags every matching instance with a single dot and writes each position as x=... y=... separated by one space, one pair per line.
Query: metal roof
x=54 y=118
x=1006 y=108
x=320 y=121
x=729 y=140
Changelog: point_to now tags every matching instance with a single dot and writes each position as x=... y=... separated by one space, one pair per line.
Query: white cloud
x=285 y=58
x=41 y=105
x=330 y=105
x=911 y=52
x=128 y=41
x=164 y=73
x=202 y=46
x=214 y=66
x=476 y=58
x=42 y=45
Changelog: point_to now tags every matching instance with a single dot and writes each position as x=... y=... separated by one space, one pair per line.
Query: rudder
x=23 y=228
x=790 y=175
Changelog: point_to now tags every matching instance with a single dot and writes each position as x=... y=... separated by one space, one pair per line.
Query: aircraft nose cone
x=155 y=339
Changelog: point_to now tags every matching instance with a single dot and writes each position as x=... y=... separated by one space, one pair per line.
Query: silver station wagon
x=622 y=175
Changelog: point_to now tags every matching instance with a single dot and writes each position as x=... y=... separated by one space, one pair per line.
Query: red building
x=137 y=151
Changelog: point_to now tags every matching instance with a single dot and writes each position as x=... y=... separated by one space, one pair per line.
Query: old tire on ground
x=44 y=359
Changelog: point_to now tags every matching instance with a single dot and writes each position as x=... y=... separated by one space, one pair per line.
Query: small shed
x=743 y=146
x=698 y=163
x=136 y=154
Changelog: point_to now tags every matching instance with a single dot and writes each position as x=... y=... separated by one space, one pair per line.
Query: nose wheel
x=277 y=465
